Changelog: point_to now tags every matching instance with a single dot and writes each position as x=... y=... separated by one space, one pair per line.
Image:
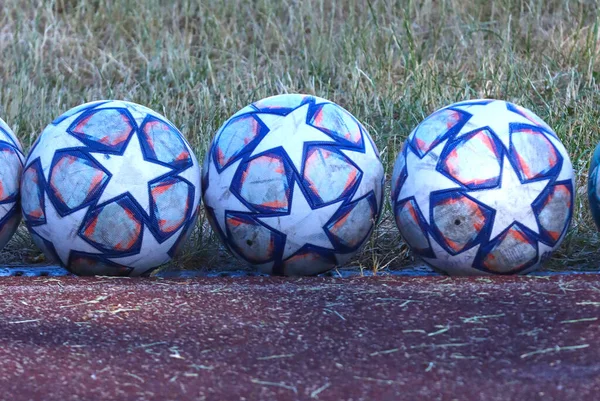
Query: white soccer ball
x=293 y=185
x=11 y=166
x=483 y=187
x=110 y=188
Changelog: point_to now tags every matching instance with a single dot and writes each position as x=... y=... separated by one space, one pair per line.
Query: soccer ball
x=11 y=166
x=594 y=186
x=110 y=188
x=293 y=185
x=483 y=187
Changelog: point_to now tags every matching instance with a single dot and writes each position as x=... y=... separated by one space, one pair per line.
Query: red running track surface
x=390 y=338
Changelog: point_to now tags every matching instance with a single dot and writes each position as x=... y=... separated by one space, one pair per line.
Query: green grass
x=389 y=63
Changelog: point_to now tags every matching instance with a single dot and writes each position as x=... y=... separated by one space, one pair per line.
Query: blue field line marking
x=33 y=271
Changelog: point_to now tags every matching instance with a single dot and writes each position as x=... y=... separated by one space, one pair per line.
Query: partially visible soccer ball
x=594 y=186
x=11 y=166
x=293 y=185
x=110 y=188
x=483 y=187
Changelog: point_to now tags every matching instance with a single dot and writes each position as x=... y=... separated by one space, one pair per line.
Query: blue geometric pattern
x=11 y=168
x=594 y=186
x=74 y=169
x=285 y=186
x=484 y=187
x=33 y=184
x=110 y=187
x=104 y=128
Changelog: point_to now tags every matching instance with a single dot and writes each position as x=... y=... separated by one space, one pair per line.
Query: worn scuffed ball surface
x=11 y=166
x=483 y=186
x=110 y=188
x=293 y=184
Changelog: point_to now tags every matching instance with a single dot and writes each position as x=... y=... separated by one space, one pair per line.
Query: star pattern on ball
x=420 y=171
x=293 y=224
x=370 y=176
x=494 y=115
x=566 y=169
x=512 y=200
x=5 y=208
x=218 y=192
x=459 y=264
x=63 y=232
x=54 y=139
x=152 y=252
x=190 y=174
x=130 y=173
x=138 y=112
x=543 y=249
x=6 y=135
x=290 y=132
